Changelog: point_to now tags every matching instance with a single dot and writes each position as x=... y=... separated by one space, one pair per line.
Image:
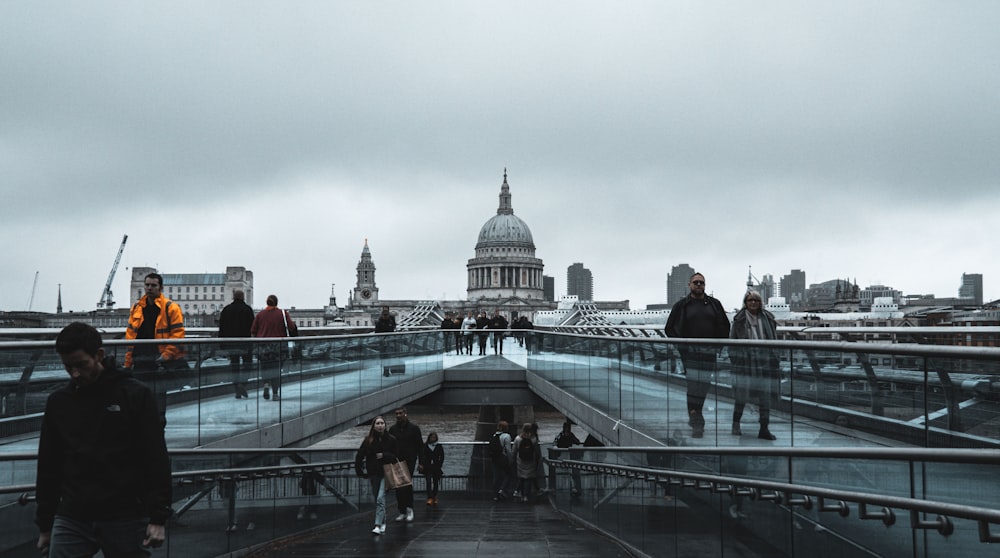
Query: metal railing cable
x=802 y=495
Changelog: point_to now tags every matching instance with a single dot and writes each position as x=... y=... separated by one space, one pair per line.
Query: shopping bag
x=396 y=475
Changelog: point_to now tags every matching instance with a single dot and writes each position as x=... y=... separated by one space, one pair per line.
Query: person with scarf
x=755 y=369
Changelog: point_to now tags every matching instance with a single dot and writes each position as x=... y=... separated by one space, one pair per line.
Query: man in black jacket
x=409 y=446
x=499 y=326
x=235 y=321
x=103 y=478
x=697 y=315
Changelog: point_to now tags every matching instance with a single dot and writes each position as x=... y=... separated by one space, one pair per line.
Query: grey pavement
x=459 y=528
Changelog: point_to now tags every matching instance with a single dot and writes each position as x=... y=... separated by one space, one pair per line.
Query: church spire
x=505 y=207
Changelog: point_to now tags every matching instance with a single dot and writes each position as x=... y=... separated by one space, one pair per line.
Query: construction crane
x=107 y=300
x=33 y=287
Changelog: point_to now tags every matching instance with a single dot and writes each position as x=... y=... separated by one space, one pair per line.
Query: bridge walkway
x=460 y=526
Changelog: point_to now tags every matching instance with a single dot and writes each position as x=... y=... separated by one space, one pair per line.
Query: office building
x=197 y=293
x=579 y=282
x=972 y=288
x=677 y=282
x=793 y=288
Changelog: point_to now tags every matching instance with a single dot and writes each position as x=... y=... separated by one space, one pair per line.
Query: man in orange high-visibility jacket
x=154 y=317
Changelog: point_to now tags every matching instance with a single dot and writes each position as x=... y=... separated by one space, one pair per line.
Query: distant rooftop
x=194 y=279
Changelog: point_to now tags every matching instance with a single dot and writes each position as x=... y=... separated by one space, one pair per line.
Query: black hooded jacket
x=365 y=462
x=101 y=454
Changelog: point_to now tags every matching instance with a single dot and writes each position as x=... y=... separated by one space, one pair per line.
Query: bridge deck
x=468 y=527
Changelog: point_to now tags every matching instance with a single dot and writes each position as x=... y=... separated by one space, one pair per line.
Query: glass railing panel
x=962 y=484
x=41 y=367
x=687 y=377
x=601 y=373
x=651 y=401
x=631 y=375
x=963 y=402
x=665 y=519
x=821 y=388
x=222 y=513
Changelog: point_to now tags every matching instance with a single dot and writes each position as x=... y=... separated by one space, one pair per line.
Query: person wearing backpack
x=526 y=457
x=499 y=451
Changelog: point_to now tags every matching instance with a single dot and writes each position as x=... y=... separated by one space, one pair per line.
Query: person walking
x=431 y=465
x=499 y=326
x=154 y=316
x=697 y=315
x=103 y=479
x=499 y=449
x=457 y=326
x=526 y=457
x=377 y=449
x=755 y=369
x=409 y=446
x=447 y=324
x=273 y=322
x=565 y=440
x=468 y=331
x=529 y=336
x=541 y=479
x=235 y=320
x=386 y=323
x=482 y=327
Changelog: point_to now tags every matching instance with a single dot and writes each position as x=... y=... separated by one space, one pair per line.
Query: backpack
x=526 y=451
x=496 y=448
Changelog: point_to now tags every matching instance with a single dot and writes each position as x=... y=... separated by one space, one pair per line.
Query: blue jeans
x=378 y=490
x=75 y=539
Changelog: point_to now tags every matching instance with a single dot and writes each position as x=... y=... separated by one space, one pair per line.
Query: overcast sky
x=855 y=140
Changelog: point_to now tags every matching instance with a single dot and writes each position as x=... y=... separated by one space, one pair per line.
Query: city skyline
x=848 y=140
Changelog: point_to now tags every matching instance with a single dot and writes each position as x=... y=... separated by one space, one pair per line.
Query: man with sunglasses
x=697 y=315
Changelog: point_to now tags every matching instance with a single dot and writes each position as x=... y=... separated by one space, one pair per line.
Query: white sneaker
x=382 y=528
x=401 y=517
x=376 y=530
x=409 y=515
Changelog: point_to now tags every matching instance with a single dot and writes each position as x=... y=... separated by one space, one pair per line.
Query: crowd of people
x=104 y=477
x=516 y=463
x=482 y=332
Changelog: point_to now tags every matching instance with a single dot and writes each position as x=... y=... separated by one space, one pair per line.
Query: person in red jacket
x=273 y=322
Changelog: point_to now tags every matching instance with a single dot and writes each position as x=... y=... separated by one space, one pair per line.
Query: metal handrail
x=801 y=495
x=906 y=349
x=936 y=455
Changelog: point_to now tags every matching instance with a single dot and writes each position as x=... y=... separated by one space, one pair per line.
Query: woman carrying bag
x=377 y=449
